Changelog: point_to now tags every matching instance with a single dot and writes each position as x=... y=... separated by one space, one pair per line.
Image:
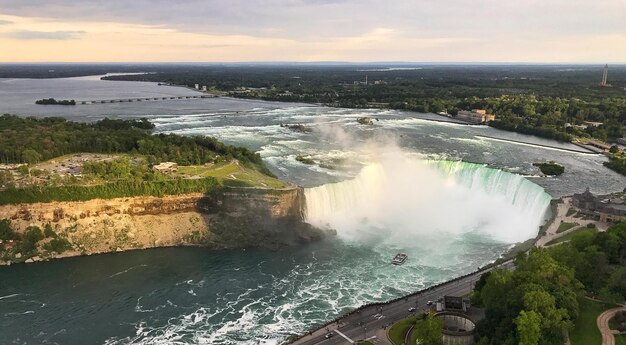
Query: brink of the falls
x=411 y=200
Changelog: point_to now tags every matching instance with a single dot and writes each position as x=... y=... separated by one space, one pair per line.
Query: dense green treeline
x=118 y=189
x=536 y=100
x=538 y=301
x=617 y=164
x=32 y=140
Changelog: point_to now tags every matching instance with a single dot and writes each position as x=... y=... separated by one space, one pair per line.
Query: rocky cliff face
x=228 y=218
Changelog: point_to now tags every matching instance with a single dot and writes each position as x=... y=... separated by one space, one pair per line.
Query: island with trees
x=52 y=101
x=70 y=188
x=550 y=168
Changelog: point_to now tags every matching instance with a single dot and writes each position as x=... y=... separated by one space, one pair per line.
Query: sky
x=529 y=31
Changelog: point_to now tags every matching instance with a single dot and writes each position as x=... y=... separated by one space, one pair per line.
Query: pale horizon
x=290 y=31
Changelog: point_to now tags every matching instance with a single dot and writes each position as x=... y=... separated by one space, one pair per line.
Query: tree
x=429 y=330
x=614 y=149
x=6 y=178
x=31 y=156
x=6 y=232
x=528 y=328
x=617 y=282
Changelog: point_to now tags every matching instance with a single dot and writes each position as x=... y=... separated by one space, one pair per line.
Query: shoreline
x=589 y=152
x=232 y=218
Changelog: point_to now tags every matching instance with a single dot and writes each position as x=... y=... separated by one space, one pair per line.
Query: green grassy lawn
x=397 y=332
x=226 y=171
x=365 y=343
x=566 y=237
x=565 y=226
x=620 y=339
x=586 y=331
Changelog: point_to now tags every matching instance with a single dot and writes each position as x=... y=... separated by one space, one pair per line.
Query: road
x=364 y=323
x=603 y=324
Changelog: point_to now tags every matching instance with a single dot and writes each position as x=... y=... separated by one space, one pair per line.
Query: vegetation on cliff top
x=118 y=189
x=30 y=140
x=122 y=161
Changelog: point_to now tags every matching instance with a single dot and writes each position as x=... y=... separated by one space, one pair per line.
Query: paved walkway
x=603 y=324
x=562 y=217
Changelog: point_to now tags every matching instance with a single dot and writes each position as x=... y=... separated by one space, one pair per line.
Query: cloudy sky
x=578 y=31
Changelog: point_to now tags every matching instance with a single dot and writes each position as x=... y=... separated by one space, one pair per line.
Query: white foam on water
x=434 y=201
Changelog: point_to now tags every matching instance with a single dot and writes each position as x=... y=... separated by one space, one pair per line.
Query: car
x=412 y=309
x=329 y=335
x=429 y=303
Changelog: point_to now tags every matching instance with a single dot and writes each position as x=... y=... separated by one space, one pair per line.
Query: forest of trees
x=30 y=140
x=538 y=301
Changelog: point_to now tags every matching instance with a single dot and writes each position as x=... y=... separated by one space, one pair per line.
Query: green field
x=565 y=226
x=230 y=171
x=398 y=331
x=567 y=236
x=586 y=331
x=620 y=340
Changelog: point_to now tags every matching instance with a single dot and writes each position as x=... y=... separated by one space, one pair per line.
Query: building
x=599 y=144
x=475 y=116
x=197 y=86
x=204 y=88
x=593 y=124
x=605 y=74
x=607 y=208
x=165 y=167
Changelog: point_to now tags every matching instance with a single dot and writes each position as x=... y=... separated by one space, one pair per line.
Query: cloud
x=316 y=30
x=315 y=19
x=44 y=35
x=5 y=22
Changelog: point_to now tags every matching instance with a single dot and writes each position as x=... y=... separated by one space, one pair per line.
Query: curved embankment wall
x=229 y=218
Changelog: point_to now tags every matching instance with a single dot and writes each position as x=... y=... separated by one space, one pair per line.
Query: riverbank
x=375 y=316
x=587 y=151
x=230 y=218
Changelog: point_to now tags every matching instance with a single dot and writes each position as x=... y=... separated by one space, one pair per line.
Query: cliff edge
x=225 y=218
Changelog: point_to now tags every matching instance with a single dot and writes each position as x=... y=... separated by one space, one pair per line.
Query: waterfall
x=400 y=197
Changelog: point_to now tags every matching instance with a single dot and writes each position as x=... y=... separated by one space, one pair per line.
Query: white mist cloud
x=400 y=199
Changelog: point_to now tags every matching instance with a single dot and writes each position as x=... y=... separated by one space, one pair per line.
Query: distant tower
x=366 y=79
x=604 y=75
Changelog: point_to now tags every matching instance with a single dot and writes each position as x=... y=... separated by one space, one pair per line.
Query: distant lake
x=18 y=96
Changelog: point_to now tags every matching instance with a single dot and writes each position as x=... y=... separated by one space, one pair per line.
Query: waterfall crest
x=430 y=199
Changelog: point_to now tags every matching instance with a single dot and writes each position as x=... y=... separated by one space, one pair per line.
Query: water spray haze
x=400 y=199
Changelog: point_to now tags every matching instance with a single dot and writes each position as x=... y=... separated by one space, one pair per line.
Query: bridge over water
x=141 y=99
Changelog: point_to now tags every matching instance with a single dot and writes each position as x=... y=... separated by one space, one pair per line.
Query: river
x=444 y=193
